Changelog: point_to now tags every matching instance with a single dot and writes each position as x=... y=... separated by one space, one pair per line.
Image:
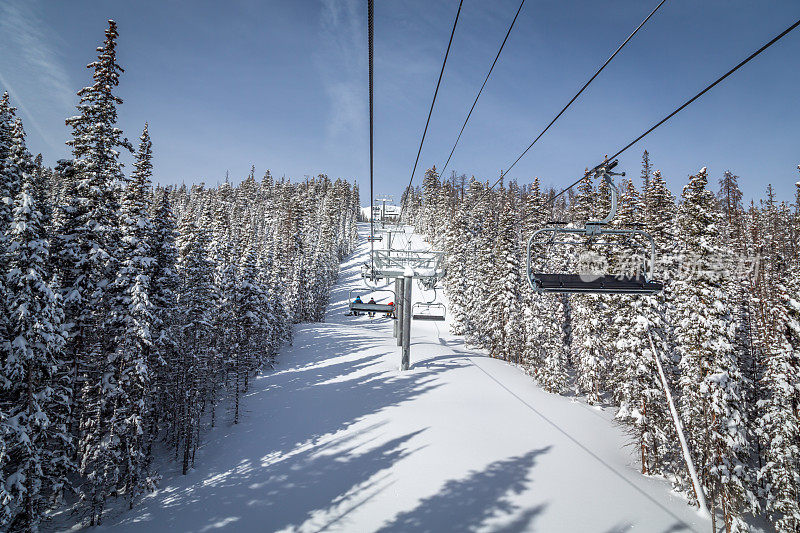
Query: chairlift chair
x=364 y=307
x=640 y=282
x=429 y=311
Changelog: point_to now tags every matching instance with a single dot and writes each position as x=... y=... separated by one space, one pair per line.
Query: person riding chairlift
x=357 y=301
x=371 y=313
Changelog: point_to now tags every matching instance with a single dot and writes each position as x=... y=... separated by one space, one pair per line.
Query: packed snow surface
x=337 y=438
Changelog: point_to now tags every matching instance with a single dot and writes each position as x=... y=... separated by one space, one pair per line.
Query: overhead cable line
x=370 y=31
x=430 y=112
x=585 y=85
x=682 y=106
x=471 y=109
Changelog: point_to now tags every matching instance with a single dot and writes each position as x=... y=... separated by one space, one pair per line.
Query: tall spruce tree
x=91 y=261
x=9 y=185
x=710 y=380
x=196 y=298
x=778 y=425
x=134 y=287
x=591 y=355
x=32 y=391
x=165 y=287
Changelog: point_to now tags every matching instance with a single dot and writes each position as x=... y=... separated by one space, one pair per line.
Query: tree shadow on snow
x=304 y=457
x=270 y=493
x=467 y=504
x=290 y=462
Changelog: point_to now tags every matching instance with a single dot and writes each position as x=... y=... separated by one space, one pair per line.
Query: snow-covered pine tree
x=9 y=177
x=545 y=350
x=252 y=324
x=165 y=287
x=730 y=203
x=504 y=305
x=629 y=365
x=647 y=172
x=456 y=241
x=794 y=220
x=223 y=255
x=293 y=256
x=44 y=189
x=269 y=276
x=32 y=390
x=134 y=286
x=328 y=252
x=483 y=235
x=590 y=354
x=430 y=209
x=661 y=455
x=636 y=384
x=711 y=402
x=747 y=300
x=94 y=320
x=355 y=213
x=9 y=186
x=778 y=425
x=196 y=299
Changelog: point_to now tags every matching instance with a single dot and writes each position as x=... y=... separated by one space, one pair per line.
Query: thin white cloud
x=343 y=65
x=30 y=67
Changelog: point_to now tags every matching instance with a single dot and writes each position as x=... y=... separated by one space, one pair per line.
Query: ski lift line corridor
x=459 y=405
x=337 y=439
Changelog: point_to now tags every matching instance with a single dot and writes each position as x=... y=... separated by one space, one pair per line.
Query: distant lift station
x=382 y=212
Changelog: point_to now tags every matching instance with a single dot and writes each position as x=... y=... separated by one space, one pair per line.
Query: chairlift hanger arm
x=605 y=166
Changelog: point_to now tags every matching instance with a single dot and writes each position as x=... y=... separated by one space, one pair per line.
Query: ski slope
x=338 y=439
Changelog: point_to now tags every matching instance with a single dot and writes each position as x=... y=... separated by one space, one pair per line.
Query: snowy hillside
x=337 y=438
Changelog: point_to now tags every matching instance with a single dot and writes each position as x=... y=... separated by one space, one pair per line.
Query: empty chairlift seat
x=599 y=234
x=607 y=284
x=428 y=311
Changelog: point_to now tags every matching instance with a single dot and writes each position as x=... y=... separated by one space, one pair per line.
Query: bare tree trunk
x=641 y=439
x=186 y=449
x=238 y=377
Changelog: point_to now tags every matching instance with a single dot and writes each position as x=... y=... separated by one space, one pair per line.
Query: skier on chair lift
x=371 y=313
x=357 y=301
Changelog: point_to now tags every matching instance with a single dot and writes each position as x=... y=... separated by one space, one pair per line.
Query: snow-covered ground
x=337 y=438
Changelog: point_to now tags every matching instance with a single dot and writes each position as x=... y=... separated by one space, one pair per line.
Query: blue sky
x=283 y=85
